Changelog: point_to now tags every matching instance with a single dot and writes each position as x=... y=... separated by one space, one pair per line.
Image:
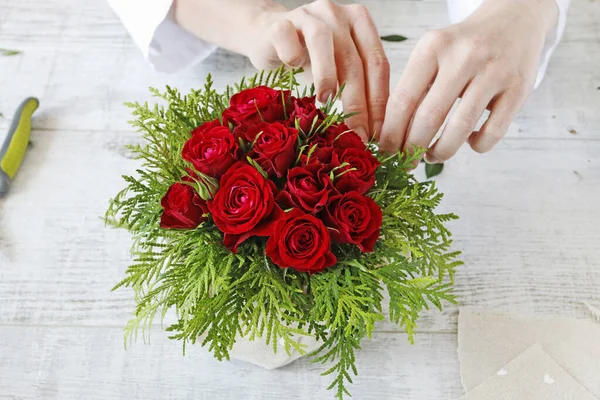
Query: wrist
x=547 y=12
x=540 y=16
x=234 y=25
x=257 y=22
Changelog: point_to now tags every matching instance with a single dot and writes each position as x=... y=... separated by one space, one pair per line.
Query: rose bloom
x=256 y=104
x=307 y=188
x=244 y=205
x=305 y=111
x=362 y=178
x=336 y=136
x=274 y=146
x=356 y=219
x=211 y=149
x=321 y=154
x=301 y=241
x=341 y=137
x=206 y=127
x=182 y=207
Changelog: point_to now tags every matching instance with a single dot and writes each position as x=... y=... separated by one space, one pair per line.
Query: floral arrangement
x=256 y=213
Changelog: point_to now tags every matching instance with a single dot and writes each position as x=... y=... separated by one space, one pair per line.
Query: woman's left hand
x=490 y=61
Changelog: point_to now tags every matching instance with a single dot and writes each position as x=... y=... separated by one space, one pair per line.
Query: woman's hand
x=337 y=43
x=490 y=61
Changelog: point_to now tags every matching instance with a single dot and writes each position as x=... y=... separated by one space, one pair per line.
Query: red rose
x=321 y=153
x=256 y=104
x=307 y=188
x=239 y=132
x=207 y=126
x=356 y=219
x=360 y=175
x=244 y=205
x=305 y=111
x=336 y=136
x=274 y=146
x=211 y=150
x=301 y=242
x=342 y=137
x=182 y=208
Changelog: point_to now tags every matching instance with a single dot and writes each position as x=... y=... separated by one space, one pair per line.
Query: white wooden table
x=530 y=226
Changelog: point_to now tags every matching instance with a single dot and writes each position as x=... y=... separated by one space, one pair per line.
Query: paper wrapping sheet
x=531 y=376
x=488 y=341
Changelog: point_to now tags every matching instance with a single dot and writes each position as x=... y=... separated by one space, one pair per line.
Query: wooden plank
x=90 y=363
x=528 y=230
x=528 y=226
x=83 y=65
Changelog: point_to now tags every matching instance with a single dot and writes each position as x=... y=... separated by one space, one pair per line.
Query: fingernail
x=377 y=129
x=325 y=96
x=431 y=159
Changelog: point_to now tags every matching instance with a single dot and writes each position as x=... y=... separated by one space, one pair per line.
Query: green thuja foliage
x=217 y=295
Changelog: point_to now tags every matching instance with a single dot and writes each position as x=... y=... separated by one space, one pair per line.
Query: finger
x=502 y=113
x=462 y=123
x=354 y=96
x=414 y=82
x=319 y=42
x=375 y=64
x=432 y=112
x=288 y=45
x=348 y=63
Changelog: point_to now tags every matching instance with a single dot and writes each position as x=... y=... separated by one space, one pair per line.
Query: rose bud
x=301 y=242
x=206 y=127
x=356 y=219
x=182 y=208
x=320 y=150
x=305 y=111
x=336 y=136
x=342 y=137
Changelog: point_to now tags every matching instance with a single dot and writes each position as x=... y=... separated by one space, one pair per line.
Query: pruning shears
x=15 y=145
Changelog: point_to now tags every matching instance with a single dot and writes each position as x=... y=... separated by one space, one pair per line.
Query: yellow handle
x=12 y=156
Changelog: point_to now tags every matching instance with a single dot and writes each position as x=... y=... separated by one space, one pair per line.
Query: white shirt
x=168 y=47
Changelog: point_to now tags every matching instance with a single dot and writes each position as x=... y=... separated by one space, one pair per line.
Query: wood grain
x=528 y=228
x=91 y=363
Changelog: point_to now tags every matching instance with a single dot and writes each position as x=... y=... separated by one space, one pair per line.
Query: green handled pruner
x=13 y=150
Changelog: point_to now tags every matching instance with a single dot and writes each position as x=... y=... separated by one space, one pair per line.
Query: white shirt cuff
x=459 y=10
x=553 y=39
x=166 y=45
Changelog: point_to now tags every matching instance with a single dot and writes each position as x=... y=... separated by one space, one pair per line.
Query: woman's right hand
x=338 y=43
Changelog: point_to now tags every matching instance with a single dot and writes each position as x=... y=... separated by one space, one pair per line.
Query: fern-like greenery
x=218 y=296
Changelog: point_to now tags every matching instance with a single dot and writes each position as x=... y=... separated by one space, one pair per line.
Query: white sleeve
x=166 y=45
x=459 y=10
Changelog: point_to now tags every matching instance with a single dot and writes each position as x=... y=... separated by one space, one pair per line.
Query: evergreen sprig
x=219 y=296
